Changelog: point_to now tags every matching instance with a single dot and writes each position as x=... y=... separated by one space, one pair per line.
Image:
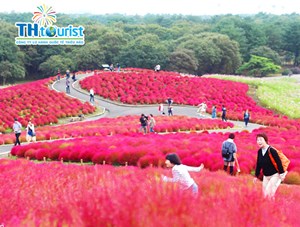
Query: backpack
x=143 y=121
x=227 y=150
x=284 y=160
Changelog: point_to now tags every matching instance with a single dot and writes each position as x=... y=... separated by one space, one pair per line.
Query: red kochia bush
x=148 y=87
x=120 y=125
x=34 y=100
x=138 y=149
x=74 y=195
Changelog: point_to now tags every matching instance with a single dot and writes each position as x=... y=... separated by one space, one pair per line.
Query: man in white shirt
x=92 y=94
x=17 y=127
x=157 y=68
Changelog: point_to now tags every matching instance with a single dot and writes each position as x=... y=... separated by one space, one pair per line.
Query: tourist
x=17 y=128
x=271 y=177
x=30 y=135
x=181 y=174
x=229 y=150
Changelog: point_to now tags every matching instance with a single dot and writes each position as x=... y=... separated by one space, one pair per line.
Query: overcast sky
x=142 y=7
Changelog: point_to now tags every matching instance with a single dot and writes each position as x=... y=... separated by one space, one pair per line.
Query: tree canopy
x=184 y=43
x=258 y=67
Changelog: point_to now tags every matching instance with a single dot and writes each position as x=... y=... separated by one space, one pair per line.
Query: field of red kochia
x=129 y=191
x=35 y=100
x=54 y=194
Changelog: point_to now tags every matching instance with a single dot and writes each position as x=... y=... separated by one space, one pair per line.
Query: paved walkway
x=113 y=109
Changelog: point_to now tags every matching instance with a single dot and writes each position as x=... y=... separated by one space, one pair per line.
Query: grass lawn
x=281 y=94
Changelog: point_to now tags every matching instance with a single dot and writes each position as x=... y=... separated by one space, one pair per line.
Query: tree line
x=226 y=44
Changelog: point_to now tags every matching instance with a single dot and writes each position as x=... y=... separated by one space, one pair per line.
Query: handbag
x=284 y=160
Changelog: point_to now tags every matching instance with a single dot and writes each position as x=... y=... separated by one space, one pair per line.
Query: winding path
x=113 y=109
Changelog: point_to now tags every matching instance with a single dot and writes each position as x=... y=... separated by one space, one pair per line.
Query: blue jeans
x=194 y=189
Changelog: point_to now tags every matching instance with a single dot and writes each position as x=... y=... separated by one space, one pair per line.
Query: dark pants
x=224 y=118
x=246 y=121
x=17 y=138
x=92 y=98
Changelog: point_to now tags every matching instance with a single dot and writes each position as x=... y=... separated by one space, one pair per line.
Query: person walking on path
x=144 y=123
x=181 y=174
x=68 y=86
x=157 y=68
x=74 y=76
x=92 y=95
x=68 y=74
x=229 y=150
x=17 y=127
x=214 y=112
x=161 y=109
x=111 y=67
x=30 y=135
x=224 y=113
x=118 y=67
x=152 y=123
x=58 y=75
x=170 y=110
x=271 y=177
x=169 y=101
x=246 y=117
x=202 y=109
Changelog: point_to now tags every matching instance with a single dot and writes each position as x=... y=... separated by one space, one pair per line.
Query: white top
x=17 y=127
x=30 y=127
x=152 y=122
x=161 y=107
x=264 y=150
x=91 y=92
x=182 y=176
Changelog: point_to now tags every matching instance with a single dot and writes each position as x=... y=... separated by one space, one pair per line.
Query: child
x=181 y=173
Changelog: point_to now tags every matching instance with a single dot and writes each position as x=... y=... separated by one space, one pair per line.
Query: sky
x=142 y=7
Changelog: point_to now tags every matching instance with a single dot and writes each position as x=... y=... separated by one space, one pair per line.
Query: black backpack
x=227 y=150
x=143 y=121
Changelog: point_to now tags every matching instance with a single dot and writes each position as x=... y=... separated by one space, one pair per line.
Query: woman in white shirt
x=181 y=173
x=30 y=135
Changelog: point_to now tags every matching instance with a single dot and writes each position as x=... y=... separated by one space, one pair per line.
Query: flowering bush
x=53 y=194
x=148 y=87
x=120 y=125
x=150 y=150
x=34 y=100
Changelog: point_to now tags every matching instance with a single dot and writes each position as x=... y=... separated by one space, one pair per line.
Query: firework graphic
x=45 y=16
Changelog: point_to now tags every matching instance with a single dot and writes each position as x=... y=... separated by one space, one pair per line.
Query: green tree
x=145 y=51
x=264 y=51
x=215 y=53
x=55 y=62
x=292 y=40
x=90 y=56
x=11 y=70
x=183 y=61
x=245 y=30
x=259 y=67
x=11 y=60
x=112 y=43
